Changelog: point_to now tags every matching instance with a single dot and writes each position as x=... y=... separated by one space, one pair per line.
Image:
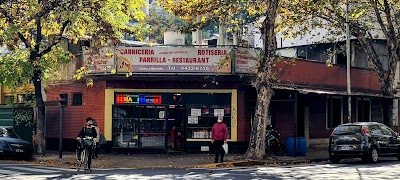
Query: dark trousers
x=96 y=151
x=219 y=150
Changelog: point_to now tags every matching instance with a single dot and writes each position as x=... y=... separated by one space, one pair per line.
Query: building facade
x=157 y=88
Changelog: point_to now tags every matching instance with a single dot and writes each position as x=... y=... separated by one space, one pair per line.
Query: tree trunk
x=40 y=116
x=263 y=84
x=256 y=149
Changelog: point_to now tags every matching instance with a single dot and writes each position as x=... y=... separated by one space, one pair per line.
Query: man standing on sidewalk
x=219 y=135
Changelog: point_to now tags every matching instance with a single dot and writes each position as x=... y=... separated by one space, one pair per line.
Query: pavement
x=107 y=161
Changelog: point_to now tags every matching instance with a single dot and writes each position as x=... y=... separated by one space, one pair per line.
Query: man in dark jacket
x=219 y=135
x=87 y=131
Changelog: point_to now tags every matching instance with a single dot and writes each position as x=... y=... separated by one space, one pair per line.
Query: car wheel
x=373 y=155
x=334 y=159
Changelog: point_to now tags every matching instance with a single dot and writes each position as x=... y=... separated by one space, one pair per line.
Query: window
x=302 y=52
x=387 y=131
x=347 y=130
x=334 y=112
x=341 y=56
x=6 y=132
x=76 y=99
x=363 y=110
x=375 y=130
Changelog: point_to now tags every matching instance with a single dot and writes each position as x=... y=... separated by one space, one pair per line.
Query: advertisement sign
x=99 y=61
x=137 y=99
x=246 y=60
x=173 y=60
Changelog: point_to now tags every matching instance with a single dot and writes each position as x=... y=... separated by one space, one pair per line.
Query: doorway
x=176 y=128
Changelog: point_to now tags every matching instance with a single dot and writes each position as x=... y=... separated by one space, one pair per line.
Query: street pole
x=61 y=131
x=348 y=60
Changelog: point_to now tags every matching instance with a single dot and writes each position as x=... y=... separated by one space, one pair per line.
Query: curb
x=228 y=164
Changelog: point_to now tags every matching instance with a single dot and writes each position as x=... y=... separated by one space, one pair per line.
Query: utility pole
x=64 y=103
x=348 y=60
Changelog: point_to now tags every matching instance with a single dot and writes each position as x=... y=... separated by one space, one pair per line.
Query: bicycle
x=273 y=143
x=86 y=143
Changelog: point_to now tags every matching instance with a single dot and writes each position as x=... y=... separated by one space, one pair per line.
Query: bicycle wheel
x=280 y=149
x=80 y=162
x=85 y=158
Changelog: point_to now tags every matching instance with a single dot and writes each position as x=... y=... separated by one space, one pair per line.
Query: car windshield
x=347 y=130
x=6 y=132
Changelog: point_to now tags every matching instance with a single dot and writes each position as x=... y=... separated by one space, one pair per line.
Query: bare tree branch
x=379 y=17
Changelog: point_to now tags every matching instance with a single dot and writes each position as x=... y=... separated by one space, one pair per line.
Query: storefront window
x=202 y=118
x=139 y=126
x=147 y=120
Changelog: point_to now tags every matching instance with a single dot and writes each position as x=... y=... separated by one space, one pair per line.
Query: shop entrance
x=176 y=125
x=149 y=126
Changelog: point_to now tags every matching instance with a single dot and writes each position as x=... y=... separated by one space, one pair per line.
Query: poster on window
x=161 y=114
x=193 y=120
x=195 y=112
x=218 y=112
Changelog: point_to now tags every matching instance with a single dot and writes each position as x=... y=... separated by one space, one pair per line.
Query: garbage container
x=296 y=146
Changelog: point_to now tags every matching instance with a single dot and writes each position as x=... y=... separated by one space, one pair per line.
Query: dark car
x=12 y=146
x=365 y=140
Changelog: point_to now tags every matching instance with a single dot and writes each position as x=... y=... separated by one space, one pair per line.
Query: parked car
x=365 y=140
x=12 y=146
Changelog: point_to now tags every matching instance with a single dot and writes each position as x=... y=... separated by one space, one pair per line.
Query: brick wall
x=74 y=116
x=283 y=118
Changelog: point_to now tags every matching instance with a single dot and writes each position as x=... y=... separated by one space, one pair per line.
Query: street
x=385 y=169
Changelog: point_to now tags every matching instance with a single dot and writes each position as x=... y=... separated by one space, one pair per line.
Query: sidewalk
x=172 y=161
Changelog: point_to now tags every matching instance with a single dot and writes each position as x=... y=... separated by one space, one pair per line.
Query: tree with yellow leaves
x=262 y=13
x=32 y=32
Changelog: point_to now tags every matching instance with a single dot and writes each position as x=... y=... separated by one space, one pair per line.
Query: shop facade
x=137 y=116
x=144 y=118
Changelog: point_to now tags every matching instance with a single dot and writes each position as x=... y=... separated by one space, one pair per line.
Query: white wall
x=174 y=38
x=317 y=35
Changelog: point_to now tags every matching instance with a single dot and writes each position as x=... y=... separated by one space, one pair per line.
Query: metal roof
x=330 y=91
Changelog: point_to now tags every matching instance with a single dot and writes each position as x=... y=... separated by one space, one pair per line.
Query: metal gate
x=140 y=126
x=20 y=118
x=24 y=123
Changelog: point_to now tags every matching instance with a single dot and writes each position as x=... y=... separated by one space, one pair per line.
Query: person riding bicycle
x=87 y=131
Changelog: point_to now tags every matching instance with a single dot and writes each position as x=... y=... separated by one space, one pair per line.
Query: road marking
x=244 y=169
x=57 y=168
x=31 y=169
x=8 y=172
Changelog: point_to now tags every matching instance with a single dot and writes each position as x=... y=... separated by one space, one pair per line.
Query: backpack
x=102 y=139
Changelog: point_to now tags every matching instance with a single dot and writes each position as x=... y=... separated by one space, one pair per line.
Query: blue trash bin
x=296 y=146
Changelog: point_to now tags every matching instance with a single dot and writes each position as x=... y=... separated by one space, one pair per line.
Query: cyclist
x=87 y=131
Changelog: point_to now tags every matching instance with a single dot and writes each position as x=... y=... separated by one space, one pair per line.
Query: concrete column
x=222 y=32
x=196 y=35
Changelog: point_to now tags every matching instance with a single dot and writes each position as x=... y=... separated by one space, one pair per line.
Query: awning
x=318 y=90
